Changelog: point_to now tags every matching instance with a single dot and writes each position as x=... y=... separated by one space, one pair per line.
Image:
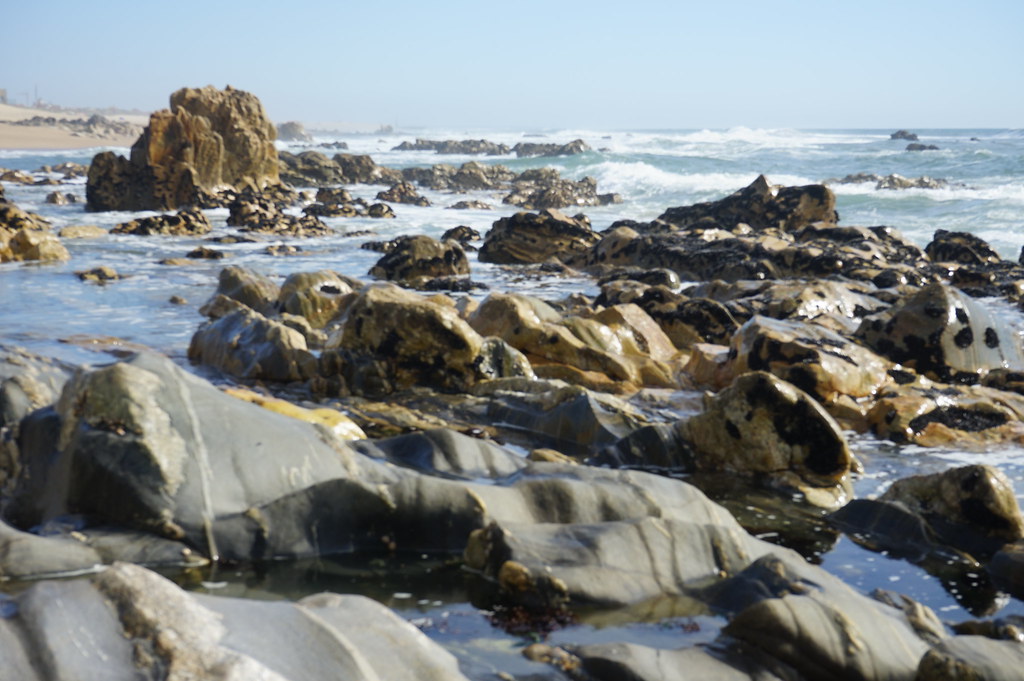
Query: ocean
x=48 y=310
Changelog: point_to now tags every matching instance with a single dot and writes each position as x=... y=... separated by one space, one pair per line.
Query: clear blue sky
x=538 y=63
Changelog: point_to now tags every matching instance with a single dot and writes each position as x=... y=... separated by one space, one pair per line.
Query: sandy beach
x=56 y=137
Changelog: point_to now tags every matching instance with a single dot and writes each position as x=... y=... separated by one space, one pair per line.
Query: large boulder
x=762 y=426
x=815 y=359
x=246 y=344
x=316 y=296
x=403 y=339
x=208 y=140
x=413 y=259
x=536 y=237
x=944 y=334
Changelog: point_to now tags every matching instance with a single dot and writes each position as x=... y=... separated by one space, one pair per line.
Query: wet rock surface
x=377 y=419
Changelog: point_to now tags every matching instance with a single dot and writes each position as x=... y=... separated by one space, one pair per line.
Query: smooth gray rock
x=129 y=623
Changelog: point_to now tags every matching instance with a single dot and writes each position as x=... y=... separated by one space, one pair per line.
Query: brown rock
x=208 y=140
x=761 y=425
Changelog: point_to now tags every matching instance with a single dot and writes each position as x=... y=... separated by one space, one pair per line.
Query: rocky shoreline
x=364 y=415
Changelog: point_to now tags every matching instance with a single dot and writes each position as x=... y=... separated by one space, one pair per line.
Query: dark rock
x=914 y=146
x=972 y=508
x=960 y=247
x=527 y=149
x=815 y=359
x=316 y=296
x=762 y=426
x=761 y=206
x=188 y=222
x=536 y=237
x=537 y=193
x=100 y=275
x=13 y=218
x=207 y=140
x=61 y=198
x=403 y=192
x=412 y=259
x=361 y=169
x=309 y=169
x=407 y=340
x=462 y=234
x=903 y=135
x=204 y=253
x=250 y=288
x=455 y=147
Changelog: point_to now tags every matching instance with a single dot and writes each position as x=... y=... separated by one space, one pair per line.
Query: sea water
x=47 y=309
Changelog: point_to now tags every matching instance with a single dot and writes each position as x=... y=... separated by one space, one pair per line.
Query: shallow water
x=47 y=309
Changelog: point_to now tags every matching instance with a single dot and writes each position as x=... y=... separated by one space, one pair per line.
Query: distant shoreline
x=49 y=137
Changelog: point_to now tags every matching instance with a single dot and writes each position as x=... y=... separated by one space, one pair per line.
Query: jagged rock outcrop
x=761 y=205
x=208 y=140
x=455 y=147
x=542 y=188
x=528 y=149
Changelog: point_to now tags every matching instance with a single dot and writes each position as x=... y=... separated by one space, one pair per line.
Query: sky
x=537 y=64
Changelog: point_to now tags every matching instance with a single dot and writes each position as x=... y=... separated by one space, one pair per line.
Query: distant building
x=3 y=96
